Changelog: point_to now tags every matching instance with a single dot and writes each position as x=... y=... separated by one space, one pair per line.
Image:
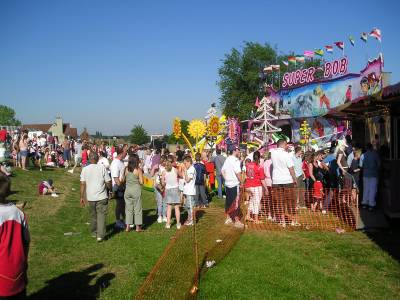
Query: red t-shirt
x=254 y=175
x=84 y=157
x=3 y=135
x=210 y=168
x=305 y=169
x=317 y=193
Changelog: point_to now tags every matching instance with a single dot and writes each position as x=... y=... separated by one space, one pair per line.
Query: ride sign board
x=304 y=76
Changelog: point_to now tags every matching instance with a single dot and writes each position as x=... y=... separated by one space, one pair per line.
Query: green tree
x=139 y=135
x=240 y=79
x=7 y=116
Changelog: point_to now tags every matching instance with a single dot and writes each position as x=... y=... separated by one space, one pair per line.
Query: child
x=189 y=189
x=46 y=187
x=318 y=192
x=201 y=172
x=14 y=237
x=170 y=181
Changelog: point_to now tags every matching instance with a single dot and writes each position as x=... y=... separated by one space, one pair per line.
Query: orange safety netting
x=288 y=207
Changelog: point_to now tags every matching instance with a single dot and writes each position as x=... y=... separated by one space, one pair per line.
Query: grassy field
x=303 y=265
x=262 y=265
x=76 y=266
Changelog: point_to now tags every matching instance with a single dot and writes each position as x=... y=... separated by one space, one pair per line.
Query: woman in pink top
x=266 y=203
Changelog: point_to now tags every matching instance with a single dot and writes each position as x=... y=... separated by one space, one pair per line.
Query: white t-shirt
x=189 y=188
x=229 y=170
x=95 y=176
x=281 y=162
x=104 y=161
x=117 y=169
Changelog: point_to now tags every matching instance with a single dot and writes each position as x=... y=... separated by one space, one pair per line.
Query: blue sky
x=108 y=65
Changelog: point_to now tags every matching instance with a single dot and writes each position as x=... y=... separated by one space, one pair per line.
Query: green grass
x=303 y=265
x=262 y=265
x=77 y=267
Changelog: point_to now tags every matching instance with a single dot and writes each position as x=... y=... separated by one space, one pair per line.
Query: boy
x=14 y=245
x=189 y=189
x=201 y=172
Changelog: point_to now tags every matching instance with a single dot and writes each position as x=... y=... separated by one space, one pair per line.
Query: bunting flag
x=352 y=41
x=300 y=59
x=285 y=63
x=275 y=67
x=364 y=36
x=376 y=33
x=329 y=48
x=319 y=52
x=291 y=59
x=257 y=104
x=267 y=69
x=309 y=53
x=340 y=45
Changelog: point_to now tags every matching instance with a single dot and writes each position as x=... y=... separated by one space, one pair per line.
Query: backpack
x=200 y=172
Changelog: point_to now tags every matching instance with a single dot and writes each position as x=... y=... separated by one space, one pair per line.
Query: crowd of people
x=274 y=185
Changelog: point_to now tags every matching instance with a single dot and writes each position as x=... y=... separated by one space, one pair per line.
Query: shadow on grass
x=149 y=217
x=387 y=239
x=75 y=285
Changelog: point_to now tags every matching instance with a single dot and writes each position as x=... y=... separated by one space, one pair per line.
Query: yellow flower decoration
x=197 y=128
x=214 y=126
x=177 y=129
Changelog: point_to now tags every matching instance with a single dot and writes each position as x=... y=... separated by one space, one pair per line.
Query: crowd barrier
x=300 y=209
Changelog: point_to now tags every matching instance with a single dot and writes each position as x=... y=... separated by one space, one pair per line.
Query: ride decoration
x=305 y=133
x=214 y=127
x=177 y=128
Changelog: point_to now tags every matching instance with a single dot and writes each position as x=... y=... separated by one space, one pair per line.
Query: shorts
x=172 y=196
x=23 y=153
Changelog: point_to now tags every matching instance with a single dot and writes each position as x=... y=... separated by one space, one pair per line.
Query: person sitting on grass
x=46 y=188
x=318 y=192
x=14 y=246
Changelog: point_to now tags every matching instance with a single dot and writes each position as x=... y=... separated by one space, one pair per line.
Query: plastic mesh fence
x=300 y=209
x=189 y=254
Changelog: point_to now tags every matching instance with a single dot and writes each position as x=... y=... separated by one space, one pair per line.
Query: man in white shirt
x=117 y=169
x=94 y=183
x=232 y=175
x=283 y=183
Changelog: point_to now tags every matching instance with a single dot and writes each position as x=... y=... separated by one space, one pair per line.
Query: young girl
x=254 y=182
x=170 y=181
x=318 y=192
x=46 y=187
x=355 y=172
x=159 y=192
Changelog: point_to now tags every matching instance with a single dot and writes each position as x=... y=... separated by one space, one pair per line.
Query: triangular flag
x=257 y=104
x=351 y=39
x=285 y=63
x=376 y=33
x=329 y=48
x=364 y=36
x=309 y=53
x=319 y=52
x=340 y=45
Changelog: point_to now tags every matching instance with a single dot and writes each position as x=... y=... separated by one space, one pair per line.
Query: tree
x=241 y=76
x=139 y=135
x=7 y=116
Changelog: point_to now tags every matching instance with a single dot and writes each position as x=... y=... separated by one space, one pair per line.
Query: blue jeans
x=369 y=191
x=161 y=204
x=220 y=181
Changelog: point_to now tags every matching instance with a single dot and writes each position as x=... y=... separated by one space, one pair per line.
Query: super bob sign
x=335 y=68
